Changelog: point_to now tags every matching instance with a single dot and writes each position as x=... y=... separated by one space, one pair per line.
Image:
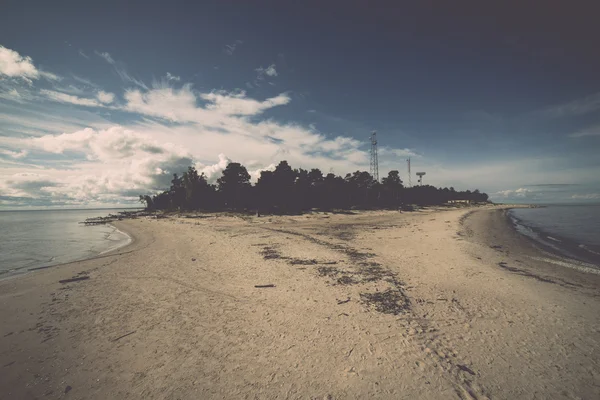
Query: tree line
x=287 y=191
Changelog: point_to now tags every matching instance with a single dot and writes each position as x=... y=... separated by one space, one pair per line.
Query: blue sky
x=100 y=102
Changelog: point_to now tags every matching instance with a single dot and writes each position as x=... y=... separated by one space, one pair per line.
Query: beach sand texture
x=436 y=304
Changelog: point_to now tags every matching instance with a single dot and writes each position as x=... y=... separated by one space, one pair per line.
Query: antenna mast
x=409 y=177
x=374 y=159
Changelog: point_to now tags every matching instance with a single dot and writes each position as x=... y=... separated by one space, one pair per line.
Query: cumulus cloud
x=13 y=65
x=105 y=97
x=213 y=172
x=107 y=145
x=116 y=164
x=25 y=187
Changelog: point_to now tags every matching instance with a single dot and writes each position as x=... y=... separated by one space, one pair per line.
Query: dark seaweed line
x=393 y=301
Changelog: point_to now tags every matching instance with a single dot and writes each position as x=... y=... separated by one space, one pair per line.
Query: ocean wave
x=573 y=264
x=584 y=247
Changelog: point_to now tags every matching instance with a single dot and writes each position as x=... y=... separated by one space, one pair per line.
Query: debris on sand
x=392 y=301
x=269 y=253
x=80 y=278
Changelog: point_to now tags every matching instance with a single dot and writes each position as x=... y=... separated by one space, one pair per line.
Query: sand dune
x=429 y=305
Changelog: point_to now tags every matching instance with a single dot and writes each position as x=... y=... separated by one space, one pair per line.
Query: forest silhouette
x=290 y=191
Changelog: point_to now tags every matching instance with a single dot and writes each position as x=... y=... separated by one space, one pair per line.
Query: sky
x=103 y=101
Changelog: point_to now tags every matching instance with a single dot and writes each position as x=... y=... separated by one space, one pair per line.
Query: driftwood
x=122 y=336
x=81 y=278
x=117 y=217
x=38 y=268
x=264 y=286
x=343 y=301
x=466 y=369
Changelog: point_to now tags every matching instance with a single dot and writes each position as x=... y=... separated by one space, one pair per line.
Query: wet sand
x=432 y=305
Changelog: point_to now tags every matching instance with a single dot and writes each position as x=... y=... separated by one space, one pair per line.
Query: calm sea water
x=33 y=239
x=573 y=230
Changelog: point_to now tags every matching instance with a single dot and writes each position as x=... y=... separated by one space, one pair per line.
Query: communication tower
x=374 y=159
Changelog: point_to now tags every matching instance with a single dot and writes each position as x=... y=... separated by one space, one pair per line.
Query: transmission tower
x=409 y=177
x=374 y=159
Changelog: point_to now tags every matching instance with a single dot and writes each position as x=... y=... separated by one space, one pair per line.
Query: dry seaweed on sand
x=392 y=301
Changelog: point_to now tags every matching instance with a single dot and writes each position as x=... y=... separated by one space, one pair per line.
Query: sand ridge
x=377 y=304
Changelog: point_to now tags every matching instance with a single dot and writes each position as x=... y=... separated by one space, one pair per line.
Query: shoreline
x=127 y=242
x=22 y=271
x=568 y=249
x=376 y=304
x=519 y=249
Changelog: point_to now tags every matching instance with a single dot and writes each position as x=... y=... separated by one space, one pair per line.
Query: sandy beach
x=434 y=304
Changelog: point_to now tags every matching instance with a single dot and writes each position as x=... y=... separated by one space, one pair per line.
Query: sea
x=30 y=240
x=572 y=230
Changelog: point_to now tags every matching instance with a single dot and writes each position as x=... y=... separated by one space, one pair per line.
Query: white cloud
x=106 y=55
x=261 y=72
x=120 y=69
x=271 y=71
x=106 y=145
x=400 y=153
x=587 y=196
x=230 y=48
x=82 y=54
x=12 y=64
x=14 y=154
x=105 y=97
x=26 y=184
x=67 y=98
x=171 y=77
x=86 y=82
x=213 y=172
x=239 y=104
x=520 y=192
x=576 y=107
x=590 y=131
x=12 y=94
x=180 y=105
x=115 y=164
